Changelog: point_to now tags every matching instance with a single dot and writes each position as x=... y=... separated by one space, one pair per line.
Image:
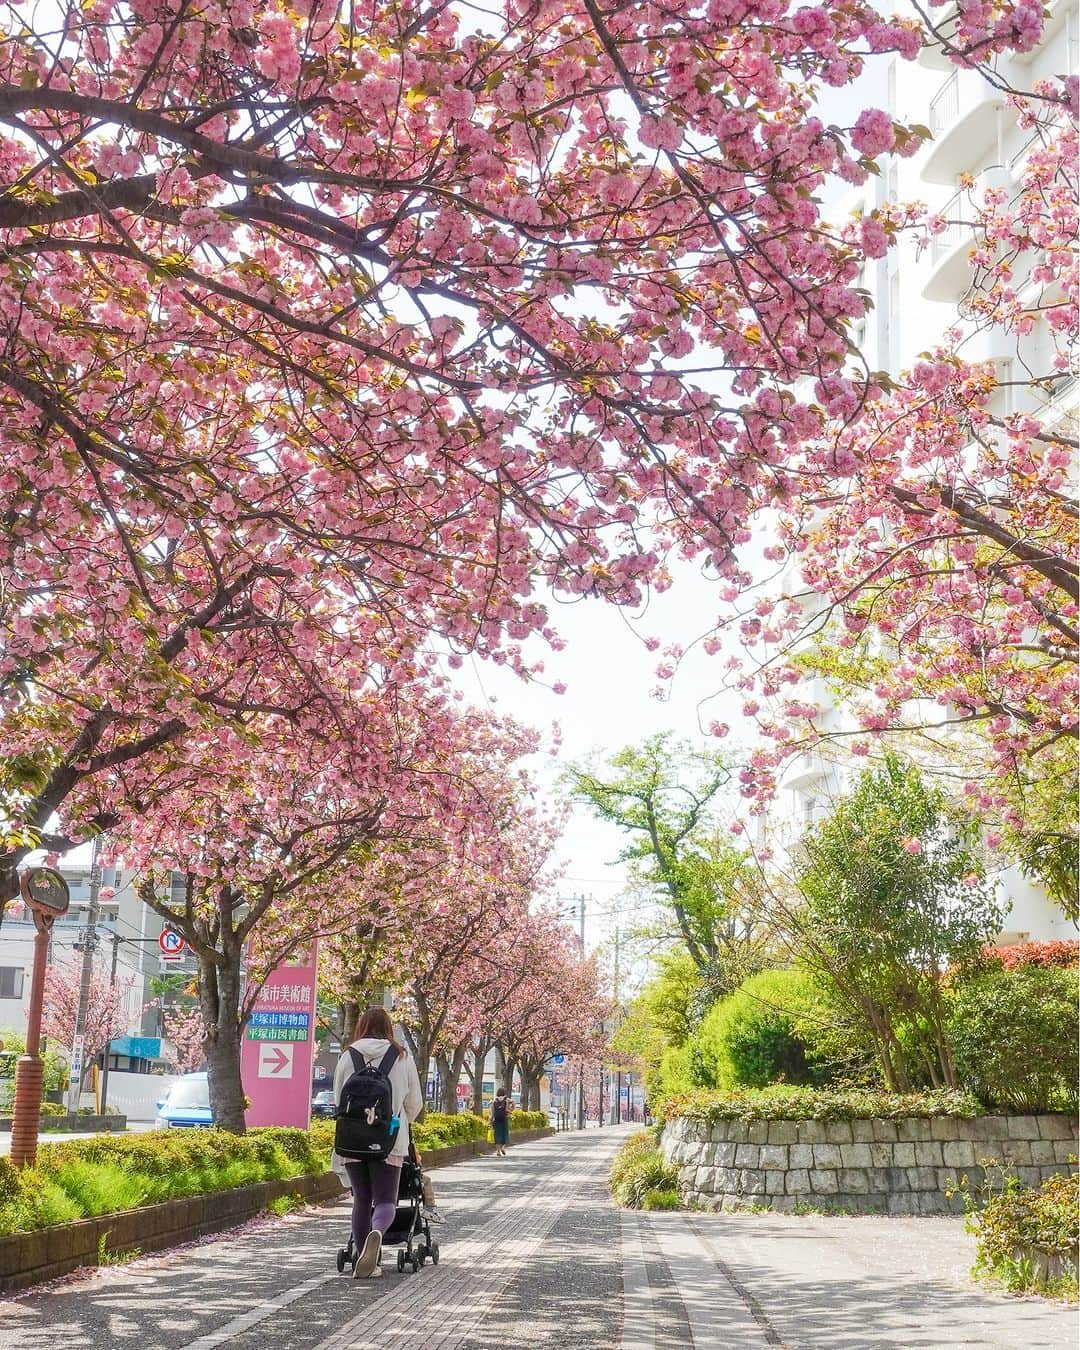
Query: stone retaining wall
x=863 y=1166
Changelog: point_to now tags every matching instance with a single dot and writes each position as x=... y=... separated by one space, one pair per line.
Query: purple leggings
x=375 y=1191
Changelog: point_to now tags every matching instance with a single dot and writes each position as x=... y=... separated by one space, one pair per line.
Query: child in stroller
x=410 y=1231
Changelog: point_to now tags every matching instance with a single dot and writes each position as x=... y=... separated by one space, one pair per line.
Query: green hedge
x=1015 y=1038
x=1044 y=1219
x=88 y=1177
x=795 y=1103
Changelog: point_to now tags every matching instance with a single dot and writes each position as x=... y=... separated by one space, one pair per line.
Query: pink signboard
x=279 y=1045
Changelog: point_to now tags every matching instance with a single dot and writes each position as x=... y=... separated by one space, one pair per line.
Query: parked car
x=323 y=1104
x=186 y=1105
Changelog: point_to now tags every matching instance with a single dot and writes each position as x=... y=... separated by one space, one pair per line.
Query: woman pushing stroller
x=374 y=1058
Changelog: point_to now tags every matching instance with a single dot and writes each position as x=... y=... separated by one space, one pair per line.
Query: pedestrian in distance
x=378 y=1062
x=500 y=1122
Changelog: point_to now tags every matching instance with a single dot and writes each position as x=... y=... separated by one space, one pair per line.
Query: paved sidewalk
x=534 y=1255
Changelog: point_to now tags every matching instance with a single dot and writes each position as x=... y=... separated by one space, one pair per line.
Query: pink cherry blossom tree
x=327 y=338
x=106 y=1012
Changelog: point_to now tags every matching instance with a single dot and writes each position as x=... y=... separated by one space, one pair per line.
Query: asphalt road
x=535 y=1255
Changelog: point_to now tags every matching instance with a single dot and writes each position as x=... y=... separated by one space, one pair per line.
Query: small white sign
x=275 y=1059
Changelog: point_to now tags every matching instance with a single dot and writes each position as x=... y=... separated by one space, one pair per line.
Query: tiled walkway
x=534 y=1255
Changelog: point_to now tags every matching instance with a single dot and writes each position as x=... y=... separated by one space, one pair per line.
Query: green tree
x=890 y=894
x=665 y=794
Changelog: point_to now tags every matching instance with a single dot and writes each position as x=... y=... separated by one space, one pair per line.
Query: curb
x=32 y=1258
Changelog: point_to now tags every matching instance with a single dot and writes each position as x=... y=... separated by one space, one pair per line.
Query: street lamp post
x=47 y=896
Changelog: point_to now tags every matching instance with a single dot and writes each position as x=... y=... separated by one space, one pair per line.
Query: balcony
x=950 y=271
x=964 y=121
x=934 y=57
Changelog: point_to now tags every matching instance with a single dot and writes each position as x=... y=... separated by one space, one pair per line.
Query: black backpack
x=498 y=1108
x=366 y=1125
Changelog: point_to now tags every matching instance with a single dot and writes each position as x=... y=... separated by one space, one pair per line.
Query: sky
x=609 y=703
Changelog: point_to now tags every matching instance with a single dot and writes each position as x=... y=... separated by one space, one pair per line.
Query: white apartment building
x=916 y=294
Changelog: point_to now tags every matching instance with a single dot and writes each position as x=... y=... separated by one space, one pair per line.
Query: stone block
x=811 y=1131
x=1029 y=1176
x=884 y=1131
x=913 y=1130
x=928 y=1155
x=773 y=1157
x=1042 y=1152
x=1016 y=1151
x=774 y=1182
x=758 y=1132
x=958 y=1153
x=921 y=1178
x=798 y=1181
x=862 y=1131
x=1056 y=1127
x=931 y=1202
x=894 y=1179
x=802 y=1155
x=751 y=1181
x=992 y=1128
x=738 y=1131
x=838 y=1131
x=942 y=1128
x=783 y=1131
x=1023 y=1127
x=967 y=1129
x=854 y=1181
x=827 y=1155
x=902 y=1202
x=1065 y=1150
x=855 y=1155
x=725 y=1154
x=903 y=1155
x=747 y=1155
x=783 y=1204
x=823 y=1181
x=718 y=1132
x=881 y=1155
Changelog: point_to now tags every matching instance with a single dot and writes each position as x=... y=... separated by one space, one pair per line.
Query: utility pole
x=581 y=1065
x=108 y=1042
x=89 y=942
x=616 y=1106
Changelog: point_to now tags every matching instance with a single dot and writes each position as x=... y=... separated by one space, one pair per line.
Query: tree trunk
x=219 y=1000
x=479 y=1057
x=447 y=1085
x=350 y=1015
x=509 y=1069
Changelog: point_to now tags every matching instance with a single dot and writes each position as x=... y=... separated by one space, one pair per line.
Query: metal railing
x=954 y=234
x=945 y=105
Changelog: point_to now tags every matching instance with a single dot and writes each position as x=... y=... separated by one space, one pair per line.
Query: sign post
x=278 y=1050
x=46 y=895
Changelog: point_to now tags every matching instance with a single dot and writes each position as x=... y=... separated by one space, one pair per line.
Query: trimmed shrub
x=775 y=1027
x=1014 y=1036
x=1064 y=952
x=799 y=1103
x=639 y=1170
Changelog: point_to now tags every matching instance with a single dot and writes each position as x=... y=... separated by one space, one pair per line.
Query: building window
x=11 y=981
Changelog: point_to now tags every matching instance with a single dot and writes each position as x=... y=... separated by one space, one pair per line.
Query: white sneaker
x=367 y=1263
x=432 y=1214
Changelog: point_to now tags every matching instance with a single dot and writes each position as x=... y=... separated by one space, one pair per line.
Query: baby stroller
x=410 y=1231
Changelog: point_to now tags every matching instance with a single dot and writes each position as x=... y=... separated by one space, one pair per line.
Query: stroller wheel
x=341 y=1258
x=434 y=1253
x=416 y=1263
x=401 y=1261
